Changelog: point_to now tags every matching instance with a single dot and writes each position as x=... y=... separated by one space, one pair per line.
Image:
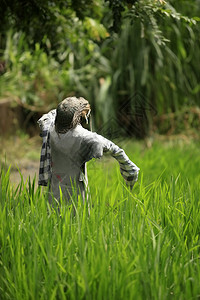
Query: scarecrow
x=67 y=146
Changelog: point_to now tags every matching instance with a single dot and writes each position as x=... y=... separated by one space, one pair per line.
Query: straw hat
x=70 y=112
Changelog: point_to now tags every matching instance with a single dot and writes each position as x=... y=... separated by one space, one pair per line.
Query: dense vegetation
x=133 y=60
x=142 y=244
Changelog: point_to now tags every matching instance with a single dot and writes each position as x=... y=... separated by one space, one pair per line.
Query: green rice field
x=139 y=244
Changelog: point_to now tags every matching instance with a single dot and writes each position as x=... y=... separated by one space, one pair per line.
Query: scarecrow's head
x=70 y=112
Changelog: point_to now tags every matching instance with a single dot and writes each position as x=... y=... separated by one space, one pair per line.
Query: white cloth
x=70 y=152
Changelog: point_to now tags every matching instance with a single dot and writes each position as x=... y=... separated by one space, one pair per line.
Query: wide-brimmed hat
x=69 y=113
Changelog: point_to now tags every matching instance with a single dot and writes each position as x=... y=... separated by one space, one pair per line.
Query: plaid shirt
x=93 y=146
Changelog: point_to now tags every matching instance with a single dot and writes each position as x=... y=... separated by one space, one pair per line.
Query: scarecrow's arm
x=95 y=145
x=128 y=169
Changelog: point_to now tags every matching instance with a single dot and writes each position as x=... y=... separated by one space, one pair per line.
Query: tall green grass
x=142 y=244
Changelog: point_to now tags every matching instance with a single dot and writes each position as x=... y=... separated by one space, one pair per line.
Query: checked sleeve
x=128 y=169
x=45 y=123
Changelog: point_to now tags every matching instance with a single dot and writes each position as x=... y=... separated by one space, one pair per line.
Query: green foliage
x=142 y=244
x=38 y=79
x=155 y=57
x=43 y=76
x=31 y=75
x=131 y=59
x=43 y=18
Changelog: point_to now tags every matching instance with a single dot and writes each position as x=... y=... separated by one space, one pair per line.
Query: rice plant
x=140 y=244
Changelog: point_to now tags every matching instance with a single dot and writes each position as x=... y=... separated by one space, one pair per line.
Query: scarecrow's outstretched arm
x=95 y=145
